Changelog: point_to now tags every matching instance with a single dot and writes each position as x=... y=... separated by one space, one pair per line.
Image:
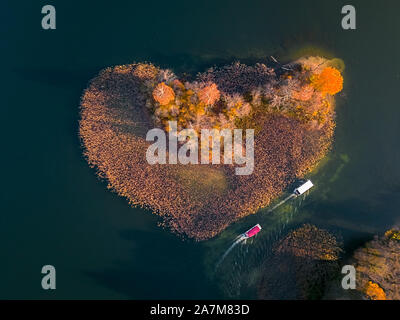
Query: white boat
x=303 y=188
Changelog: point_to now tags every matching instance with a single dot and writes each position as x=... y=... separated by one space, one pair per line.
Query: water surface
x=55 y=211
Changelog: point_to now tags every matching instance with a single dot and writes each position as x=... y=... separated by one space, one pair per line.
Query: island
x=290 y=107
x=378 y=267
x=307 y=258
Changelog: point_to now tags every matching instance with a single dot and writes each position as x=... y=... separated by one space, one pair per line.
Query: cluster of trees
x=304 y=92
x=121 y=105
x=237 y=95
x=196 y=105
x=378 y=267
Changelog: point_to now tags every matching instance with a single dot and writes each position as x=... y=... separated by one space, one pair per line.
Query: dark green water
x=55 y=211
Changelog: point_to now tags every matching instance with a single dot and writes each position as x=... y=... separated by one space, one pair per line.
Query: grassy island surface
x=290 y=107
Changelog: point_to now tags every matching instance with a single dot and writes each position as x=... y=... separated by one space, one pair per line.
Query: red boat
x=253 y=231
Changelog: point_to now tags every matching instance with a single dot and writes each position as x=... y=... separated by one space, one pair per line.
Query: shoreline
x=114 y=120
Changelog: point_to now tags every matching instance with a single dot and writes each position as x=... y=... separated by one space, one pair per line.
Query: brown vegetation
x=123 y=103
x=378 y=267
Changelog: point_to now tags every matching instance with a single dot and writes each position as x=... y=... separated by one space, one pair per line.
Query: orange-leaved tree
x=163 y=94
x=328 y=81
x=209 y=94
x=374 y=292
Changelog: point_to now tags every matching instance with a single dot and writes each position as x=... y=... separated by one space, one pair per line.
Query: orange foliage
x=374 y=291
x=209 y=94
x=329 y=81
x=163 y=94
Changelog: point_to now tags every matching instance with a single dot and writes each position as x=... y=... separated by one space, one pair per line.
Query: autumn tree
x=328 y=81
x=374 y=292
x=378 y=267
x=209 y=94
x=163 y=94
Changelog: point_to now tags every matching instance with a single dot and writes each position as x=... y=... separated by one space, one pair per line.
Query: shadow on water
x=240 y=272
x=156 y=262
x=153 y=258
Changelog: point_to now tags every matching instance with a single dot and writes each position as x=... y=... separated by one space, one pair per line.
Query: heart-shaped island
x=290 y=108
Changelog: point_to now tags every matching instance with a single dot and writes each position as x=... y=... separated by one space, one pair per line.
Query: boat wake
x=243 y=237
x=246 y=266
x=234 y=244
x=282 y=202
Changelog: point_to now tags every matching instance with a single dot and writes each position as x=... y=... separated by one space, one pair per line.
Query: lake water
x=55 y=211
